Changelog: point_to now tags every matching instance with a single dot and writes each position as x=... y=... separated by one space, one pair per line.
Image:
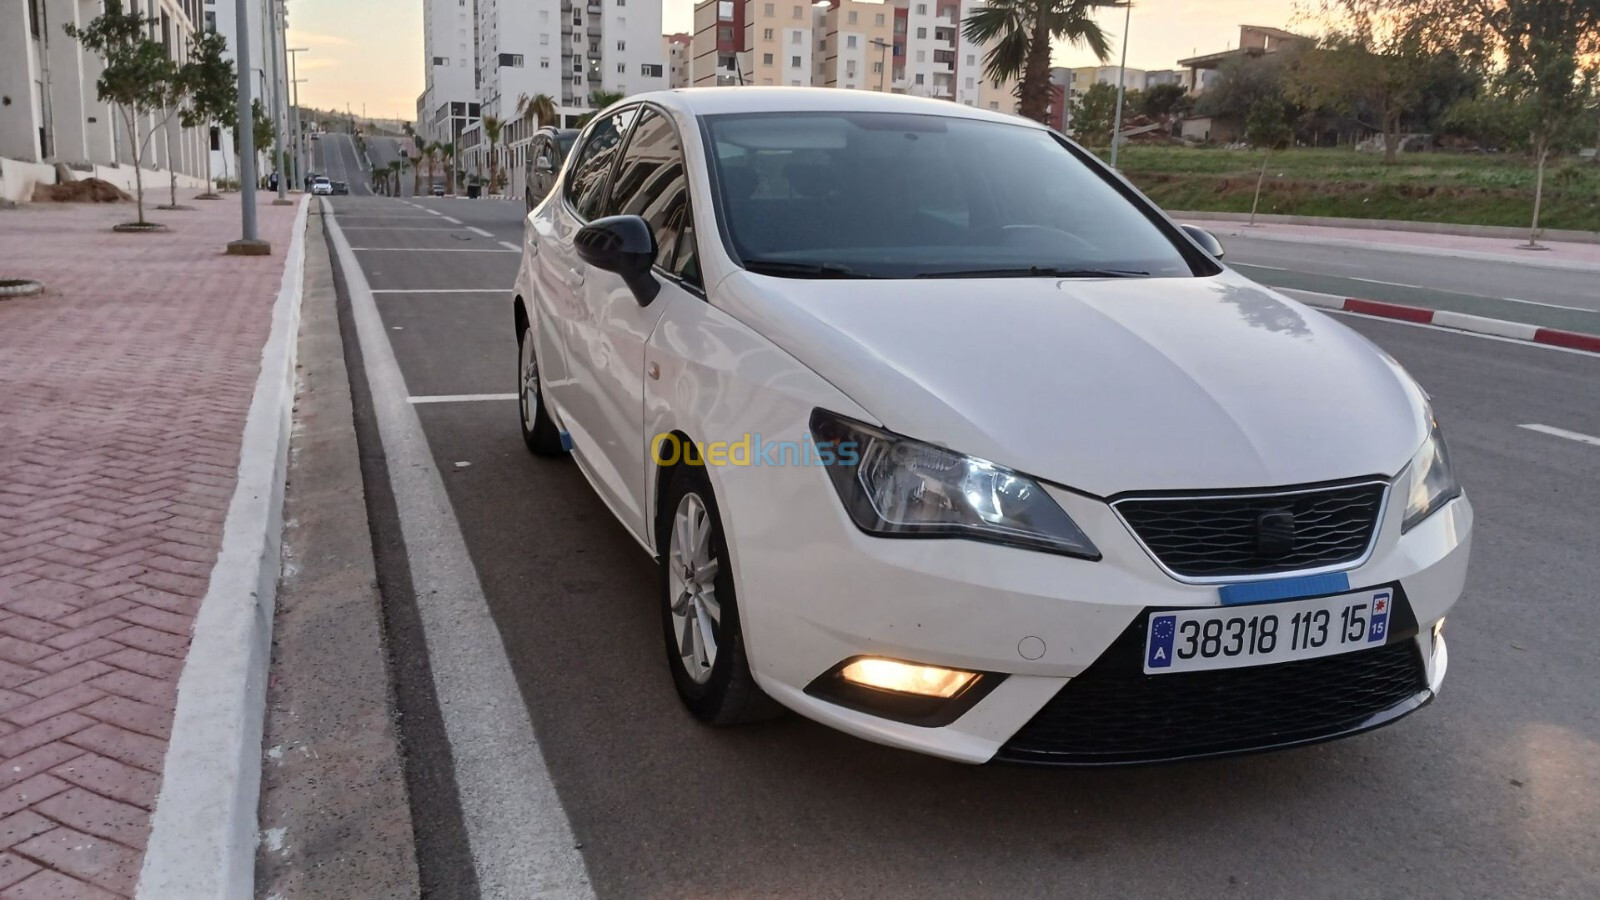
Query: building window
x=877 y=19
x=922 y=56
x=622 y=45
x=766 y=34
x=971 y=60
x=544 y=40
x=725 y=10
x=852 y=17
x=797 y=12
x=577 y=81
x=919 y=78
x=922 y=9
x=794 y=36
x=767 y=9
x=441 y=60
x=922 y=33
x=993 y=104
x=766 y=59
x=877 y=68
x=622 y=68
x=544 y=15
x=850 y=41
x=621 y=22
x=794 y=84
x=724 y=32
x=850 y=68
x=544 y=62
x=650 y=70
x=969 y=84
x=794 y=62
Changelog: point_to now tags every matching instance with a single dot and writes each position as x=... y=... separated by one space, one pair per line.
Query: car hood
x=1104 y=386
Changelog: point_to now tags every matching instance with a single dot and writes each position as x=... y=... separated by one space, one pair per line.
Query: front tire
x=539 y=431
x=699 y=612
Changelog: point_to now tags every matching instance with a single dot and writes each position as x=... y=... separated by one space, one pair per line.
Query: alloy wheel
x=691 y=577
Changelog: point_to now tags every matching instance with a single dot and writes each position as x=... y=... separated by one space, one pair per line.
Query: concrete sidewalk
x=1581 y=257
x=123 y=394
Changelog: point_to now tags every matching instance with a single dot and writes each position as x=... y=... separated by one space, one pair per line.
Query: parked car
x=547 y=152
x=341 y=187
x=321 y=185
x=438 y=189
x=944 y=436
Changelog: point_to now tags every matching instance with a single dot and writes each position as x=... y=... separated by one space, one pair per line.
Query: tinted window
x=652 y=182
x=896 y=195
x=586 y=187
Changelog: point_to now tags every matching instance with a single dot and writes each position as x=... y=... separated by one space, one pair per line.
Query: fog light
x=906 y=678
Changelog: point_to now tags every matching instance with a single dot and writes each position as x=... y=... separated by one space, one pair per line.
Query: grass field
x=1425 y=187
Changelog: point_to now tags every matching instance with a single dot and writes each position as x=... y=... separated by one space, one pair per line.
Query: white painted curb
x=203 y=832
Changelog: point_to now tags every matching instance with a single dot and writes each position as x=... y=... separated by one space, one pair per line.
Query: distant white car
x=946 y=437
x=321 y=186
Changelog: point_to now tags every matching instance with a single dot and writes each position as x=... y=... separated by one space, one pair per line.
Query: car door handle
x=575 y=277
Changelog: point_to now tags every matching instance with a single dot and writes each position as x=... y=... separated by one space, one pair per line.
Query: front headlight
x=895 y=486
x=1433 y=481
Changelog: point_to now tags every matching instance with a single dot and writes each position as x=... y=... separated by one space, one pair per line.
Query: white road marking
x=476 y=230
x=1550 y=305
x=434 y=212
x=1563 y=433
x=510 y=246
x=439 y=290
x=452 y=220
x=517 y=830
x=432 y=249
x=460 y=398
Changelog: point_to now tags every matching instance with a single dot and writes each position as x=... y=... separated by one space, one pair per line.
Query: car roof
x=711 y=101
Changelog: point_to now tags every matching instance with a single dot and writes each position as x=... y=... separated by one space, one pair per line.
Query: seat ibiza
x=944 y=436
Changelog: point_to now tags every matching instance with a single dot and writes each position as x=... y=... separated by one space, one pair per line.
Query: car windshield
x=892 y=195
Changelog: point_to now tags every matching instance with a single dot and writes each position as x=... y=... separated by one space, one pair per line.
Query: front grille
x=1114 y=713
x=1219 y=536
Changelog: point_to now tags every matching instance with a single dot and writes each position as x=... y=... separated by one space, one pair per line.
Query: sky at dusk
x=371 y=50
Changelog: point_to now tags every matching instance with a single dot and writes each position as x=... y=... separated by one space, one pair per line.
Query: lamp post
x=883 y=47
x=1122 y=80
x=248 y=244
x=280 y=105
x=294 y=112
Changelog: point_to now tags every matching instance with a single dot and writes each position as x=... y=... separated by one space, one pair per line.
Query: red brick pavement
x=123 y=393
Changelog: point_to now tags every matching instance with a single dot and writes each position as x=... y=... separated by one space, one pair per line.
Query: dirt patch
x=89 y=190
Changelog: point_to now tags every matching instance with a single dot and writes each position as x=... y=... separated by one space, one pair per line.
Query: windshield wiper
x=786 y=269
x=1037 y=272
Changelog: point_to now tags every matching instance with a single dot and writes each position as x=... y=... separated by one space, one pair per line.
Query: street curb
x=1521 y=331
x=203 y=831
x=1496 y=232
x=1534 y=260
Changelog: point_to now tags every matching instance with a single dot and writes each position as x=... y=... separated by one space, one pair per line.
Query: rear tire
x=539 y=431
x=699 y=612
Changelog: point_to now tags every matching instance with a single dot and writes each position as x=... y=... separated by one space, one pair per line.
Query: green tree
x=1019 y=34
x=538 y=109
x=1164 y=100
x=492 y=127
x=1268 y=128
x=1242 y=83
x=599 y=100
x=1092 y=118
x=136 y=75
x=262 y=131
x=213 y=90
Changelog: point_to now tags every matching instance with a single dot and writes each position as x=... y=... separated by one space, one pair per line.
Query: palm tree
x=599 y=100
x=505 y=148
x=492 y=127
x=447 y=152
x=430 y=152
x=1019 y=33
x=539 y=109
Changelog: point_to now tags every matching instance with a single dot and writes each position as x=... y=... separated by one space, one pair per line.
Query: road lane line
x=432 y=249
x=498 y=290
x=1550 y=305
x=1558 y=432
x=452 y=220
x=510 y=246
x=432 y=212
x=521 y=840
x=476 y=230
x=460 y=398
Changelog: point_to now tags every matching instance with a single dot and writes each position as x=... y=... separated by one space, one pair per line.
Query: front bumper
x=1038 y=620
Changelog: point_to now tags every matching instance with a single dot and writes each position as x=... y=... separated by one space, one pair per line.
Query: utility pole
x=883 y=49
x=300 y=165
x=248 y=244
x=279 y=102
x=1122 y=80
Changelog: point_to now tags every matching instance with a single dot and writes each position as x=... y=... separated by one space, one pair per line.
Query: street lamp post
x=249 y=244
x=883 y=66
x=1122 y=80
x=279 y=102
x=305 y=149
x=294 y=112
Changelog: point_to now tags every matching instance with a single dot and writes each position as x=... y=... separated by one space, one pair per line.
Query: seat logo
x=1275 y=532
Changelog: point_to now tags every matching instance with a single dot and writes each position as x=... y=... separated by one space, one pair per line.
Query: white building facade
x=51 y=114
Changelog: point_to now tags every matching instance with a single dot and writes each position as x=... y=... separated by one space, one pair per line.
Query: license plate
x=1232 y=637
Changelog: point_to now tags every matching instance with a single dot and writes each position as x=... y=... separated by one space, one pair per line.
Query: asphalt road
x=1489 y=792
x=335 y=156
x=1548 y=297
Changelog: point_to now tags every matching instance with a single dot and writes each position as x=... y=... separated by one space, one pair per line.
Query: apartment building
x=449 y=98
x=679 y=53
x=717 y=46
x=855 y=45
x=51 y=113
x=267 y=20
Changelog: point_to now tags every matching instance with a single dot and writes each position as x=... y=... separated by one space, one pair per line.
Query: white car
x=946 y=437
x=321 y=185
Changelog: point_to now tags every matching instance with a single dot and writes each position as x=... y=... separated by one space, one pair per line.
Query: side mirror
x=624 y=245
x=1207 y=241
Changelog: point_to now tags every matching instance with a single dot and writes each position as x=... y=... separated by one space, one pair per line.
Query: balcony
x=595 y=10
